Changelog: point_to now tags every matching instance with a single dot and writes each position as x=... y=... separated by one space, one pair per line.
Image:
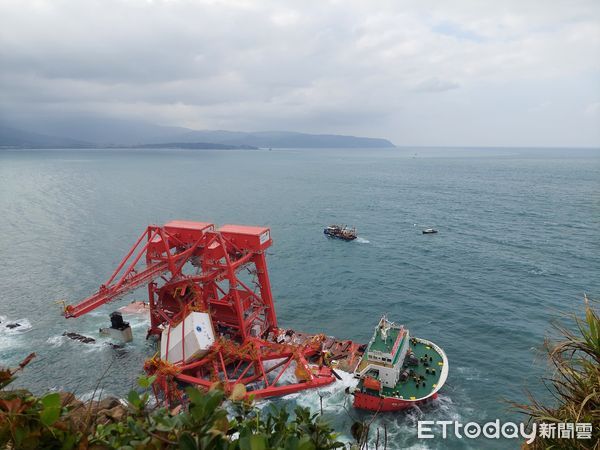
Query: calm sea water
x=518 y=243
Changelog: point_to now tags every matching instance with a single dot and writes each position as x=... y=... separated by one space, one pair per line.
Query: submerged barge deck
x=342 y=354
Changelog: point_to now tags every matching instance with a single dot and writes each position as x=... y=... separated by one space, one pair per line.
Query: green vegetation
x=56 y=422
x=574 y=384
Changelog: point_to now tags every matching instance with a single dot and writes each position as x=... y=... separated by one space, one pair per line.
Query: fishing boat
x=341 y=232
x=398 y=371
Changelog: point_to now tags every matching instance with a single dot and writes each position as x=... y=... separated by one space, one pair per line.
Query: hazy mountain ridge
x=14 y=137
x=90 y=132
x=101 y=131
x=197 y=146
x=281 y=139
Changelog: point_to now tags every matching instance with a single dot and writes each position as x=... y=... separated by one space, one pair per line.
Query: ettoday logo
x=429 y=429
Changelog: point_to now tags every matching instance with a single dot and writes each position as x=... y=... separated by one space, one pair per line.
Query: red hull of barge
x=377 y=403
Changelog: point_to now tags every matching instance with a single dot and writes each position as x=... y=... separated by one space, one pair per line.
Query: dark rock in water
x=79 y=337
x=116 y=346
x=12 y=325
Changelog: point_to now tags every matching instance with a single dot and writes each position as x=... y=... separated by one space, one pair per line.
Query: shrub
x=30 y=422
x=574 y=384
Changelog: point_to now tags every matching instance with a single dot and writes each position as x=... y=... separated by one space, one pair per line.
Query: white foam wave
x=103 y=393
x=87 y=396
x=445 y=407
x=400 y=426
x=56 y=341
x=94 y=346
x=334 y=395
x=10 y=340
x=469 y=373
x=59 y=340
x=5 y=344
x=362 y=240
x=138 y=322
x=288 y=377
x=24 y=326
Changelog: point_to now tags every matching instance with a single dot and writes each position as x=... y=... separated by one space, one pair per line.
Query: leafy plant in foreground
x=575 y=383
x=30 y=422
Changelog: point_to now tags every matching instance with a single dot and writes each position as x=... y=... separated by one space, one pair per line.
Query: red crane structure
x=195 y=267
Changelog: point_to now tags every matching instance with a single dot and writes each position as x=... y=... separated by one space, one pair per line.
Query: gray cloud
x=351 y=67
x=436 y=85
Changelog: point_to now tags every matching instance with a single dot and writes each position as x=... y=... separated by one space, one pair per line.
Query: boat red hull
x=376 y=403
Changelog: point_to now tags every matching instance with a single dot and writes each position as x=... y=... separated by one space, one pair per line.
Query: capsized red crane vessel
x=214 y=282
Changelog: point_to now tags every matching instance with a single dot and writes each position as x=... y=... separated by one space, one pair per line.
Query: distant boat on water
x=341 y=232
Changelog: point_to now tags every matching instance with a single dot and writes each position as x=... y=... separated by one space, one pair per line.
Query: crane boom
x=107 y=294
x=165 y=249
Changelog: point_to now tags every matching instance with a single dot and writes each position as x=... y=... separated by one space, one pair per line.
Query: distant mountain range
x=282 y=139
x=197 y=146
x=94 y=132
x=13 y=137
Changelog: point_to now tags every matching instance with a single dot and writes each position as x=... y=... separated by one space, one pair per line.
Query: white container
x=195 y=335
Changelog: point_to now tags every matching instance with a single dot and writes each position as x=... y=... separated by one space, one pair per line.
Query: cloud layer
x=419 y=73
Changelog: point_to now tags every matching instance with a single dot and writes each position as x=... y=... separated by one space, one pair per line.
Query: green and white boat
x=398 y=371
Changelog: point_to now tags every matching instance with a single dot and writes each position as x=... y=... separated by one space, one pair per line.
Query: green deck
x=380 y=345
x=408 y=389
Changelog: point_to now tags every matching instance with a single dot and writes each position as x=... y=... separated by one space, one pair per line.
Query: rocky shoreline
x=92 y=412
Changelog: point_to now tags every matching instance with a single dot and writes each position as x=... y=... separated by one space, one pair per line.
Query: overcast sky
x=447 y=72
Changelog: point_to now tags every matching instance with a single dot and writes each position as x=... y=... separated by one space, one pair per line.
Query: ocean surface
x=518 y=245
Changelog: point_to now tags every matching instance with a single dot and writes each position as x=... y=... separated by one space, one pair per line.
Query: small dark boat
x=429 y=231
x=341 y=232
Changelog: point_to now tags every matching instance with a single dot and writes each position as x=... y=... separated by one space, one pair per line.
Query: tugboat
x=398 y=371
x=341 y=232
